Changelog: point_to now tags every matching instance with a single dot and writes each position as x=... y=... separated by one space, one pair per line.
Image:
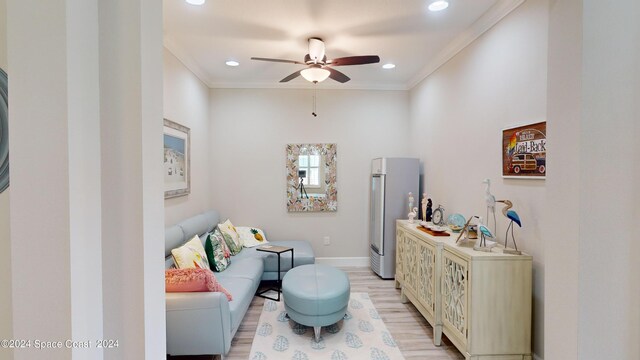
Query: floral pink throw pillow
x=193 y=280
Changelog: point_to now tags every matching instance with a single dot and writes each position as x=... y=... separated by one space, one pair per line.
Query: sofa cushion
x=215 y=251
x=191 y=255
x=231 y=237
x=247 y=268
x=193 y=280
x=242 y=290
x=250 y=236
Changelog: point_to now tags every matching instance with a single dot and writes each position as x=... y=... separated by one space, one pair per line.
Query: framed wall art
x=311 y=177
x=4 y=131
x=524 y=151
x=177 y=159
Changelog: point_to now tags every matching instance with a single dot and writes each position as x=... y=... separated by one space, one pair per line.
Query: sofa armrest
x=198 y=323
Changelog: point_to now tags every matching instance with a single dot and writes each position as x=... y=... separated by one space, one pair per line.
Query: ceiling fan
x=318 y=67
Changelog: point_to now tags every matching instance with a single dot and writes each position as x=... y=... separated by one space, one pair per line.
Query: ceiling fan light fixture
x=232 y=63
x=315 y=74
x=388 y=66
x=438 y=5
x=195 y=2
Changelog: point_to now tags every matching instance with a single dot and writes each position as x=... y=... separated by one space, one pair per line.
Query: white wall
x=5 y=243
x=609 y=275
x=186 y=101
x=457 y=114
x=561 y=220
x=249 y=131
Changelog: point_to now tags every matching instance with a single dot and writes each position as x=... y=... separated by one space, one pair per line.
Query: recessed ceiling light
x=232 y=63
x=438 y=5
x=388 y=66
x=195 y=2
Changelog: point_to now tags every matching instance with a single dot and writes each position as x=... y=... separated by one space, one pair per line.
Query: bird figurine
x=412 y=215
x=490 y=201
x=513 y=216
x=485 y=233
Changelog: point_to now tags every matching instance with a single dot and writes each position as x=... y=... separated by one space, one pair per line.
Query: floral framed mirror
x=311 y=177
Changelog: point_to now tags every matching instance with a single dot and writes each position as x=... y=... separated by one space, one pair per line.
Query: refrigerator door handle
x=377 y=213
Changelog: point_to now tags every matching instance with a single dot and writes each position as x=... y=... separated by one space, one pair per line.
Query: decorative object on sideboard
x=177 y=159
x=412 y=215
x=524 y=151
x=411 y=201
x=433 y=230
x=484 y=232
x=467 y=233
x=429 y=212
x=4 y=131
x=490 y=202
x=513 y=216
x=314 y=166
x=456 y=222
x=438 y=216
x=423 y=205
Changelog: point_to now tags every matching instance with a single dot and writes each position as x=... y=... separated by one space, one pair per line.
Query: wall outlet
x=327 y=241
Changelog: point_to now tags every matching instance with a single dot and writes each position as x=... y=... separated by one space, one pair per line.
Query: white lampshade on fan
x=315 y=74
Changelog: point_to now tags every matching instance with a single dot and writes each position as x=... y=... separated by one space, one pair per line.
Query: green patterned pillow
x=228 y=232
x=215 y=251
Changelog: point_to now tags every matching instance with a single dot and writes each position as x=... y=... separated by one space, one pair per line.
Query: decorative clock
x=438 y=216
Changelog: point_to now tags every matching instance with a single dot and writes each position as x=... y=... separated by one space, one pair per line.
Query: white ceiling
x=403 y=32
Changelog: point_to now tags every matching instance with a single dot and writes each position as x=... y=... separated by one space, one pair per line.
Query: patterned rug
x=361 y=335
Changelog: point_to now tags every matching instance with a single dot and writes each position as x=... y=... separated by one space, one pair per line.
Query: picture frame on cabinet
x=524 y=151
x=177 y=159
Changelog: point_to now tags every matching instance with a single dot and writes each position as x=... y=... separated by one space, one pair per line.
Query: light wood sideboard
x=480 y=300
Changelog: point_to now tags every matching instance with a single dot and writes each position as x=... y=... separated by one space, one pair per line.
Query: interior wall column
x=55 y=182
x=132 y=166
x=561 y=225
x=592 y=287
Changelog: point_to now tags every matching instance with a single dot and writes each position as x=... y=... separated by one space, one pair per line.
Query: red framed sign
x=524 y=151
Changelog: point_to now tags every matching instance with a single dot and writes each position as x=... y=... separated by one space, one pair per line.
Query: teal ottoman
x=316 y=295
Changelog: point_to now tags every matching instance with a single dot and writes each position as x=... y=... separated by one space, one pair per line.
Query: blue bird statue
x=484 y=233
x=513 y=216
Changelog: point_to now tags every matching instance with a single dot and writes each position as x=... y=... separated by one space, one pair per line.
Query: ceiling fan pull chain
x=315 y=94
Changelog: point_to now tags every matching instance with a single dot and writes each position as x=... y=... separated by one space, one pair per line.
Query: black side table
x=275 y=250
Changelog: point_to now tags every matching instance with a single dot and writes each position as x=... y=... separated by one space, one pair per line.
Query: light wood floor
x=410 y=330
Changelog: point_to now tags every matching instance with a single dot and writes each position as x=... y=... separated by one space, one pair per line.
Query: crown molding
x=488 y=20
x=329 y=85
x=187 y=60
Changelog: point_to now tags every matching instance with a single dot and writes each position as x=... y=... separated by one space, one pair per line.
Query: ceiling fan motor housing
x=316 y=50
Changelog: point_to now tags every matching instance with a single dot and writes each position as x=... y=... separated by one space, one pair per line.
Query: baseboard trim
x=343 y=261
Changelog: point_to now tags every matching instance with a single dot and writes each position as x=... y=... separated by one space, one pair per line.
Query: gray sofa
x=205 y=323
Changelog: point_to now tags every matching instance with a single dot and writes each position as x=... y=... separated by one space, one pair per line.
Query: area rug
x=361 y=335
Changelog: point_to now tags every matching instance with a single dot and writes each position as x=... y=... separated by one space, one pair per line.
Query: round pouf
x=316 y=295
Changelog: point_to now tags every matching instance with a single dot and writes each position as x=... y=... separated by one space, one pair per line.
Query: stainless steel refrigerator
x=391 y=181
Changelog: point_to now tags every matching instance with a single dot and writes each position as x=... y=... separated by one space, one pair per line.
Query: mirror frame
x=327 y=203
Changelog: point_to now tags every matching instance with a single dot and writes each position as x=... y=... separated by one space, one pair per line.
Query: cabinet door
x=426 y=275
x=410 y=262
x=454 y=288
x=399 y=255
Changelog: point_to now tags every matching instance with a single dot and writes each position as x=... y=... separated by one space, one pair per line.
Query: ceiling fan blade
x=337 y=75
x=354 y=60
x=278 y=60
x=291 y=77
